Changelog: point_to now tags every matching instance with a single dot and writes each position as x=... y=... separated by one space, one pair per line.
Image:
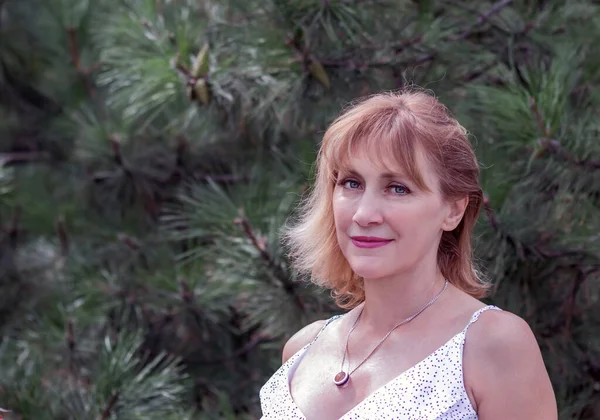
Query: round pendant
x=341 y=378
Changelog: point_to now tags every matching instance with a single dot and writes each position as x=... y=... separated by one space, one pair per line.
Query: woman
x=387 y=227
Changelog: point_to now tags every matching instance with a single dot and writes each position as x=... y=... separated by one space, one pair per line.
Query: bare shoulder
x=503 y=329
x=504 y=368
x=301 y=338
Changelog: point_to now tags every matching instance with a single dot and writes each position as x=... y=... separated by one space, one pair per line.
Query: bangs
x=387 y=137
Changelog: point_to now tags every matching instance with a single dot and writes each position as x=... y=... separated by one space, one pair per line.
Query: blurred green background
x=150 y=151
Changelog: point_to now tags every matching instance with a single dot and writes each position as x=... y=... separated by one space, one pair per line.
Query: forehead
x=391 y=137
x=369 y=157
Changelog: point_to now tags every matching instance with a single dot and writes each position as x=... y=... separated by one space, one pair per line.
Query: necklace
x=342 y=377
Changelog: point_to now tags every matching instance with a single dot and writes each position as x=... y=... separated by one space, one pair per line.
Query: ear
x=456 y=211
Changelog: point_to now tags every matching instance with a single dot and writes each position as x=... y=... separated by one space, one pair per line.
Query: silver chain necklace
x=342 y=377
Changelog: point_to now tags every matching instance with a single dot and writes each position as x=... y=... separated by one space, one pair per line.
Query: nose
x=368 y=212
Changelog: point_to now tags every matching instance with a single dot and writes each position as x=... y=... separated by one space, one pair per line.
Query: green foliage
x=151 y=151
x=116 y=382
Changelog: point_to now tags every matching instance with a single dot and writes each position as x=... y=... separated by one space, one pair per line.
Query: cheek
x=341 y=211
x=342 y=219
x=417 y=218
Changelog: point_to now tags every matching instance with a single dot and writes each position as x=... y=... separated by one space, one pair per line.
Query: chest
x=397 y=377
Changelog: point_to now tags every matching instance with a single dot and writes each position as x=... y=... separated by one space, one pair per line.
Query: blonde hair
x=392 y=125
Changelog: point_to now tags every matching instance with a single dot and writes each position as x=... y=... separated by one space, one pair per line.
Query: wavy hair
x=391 y=125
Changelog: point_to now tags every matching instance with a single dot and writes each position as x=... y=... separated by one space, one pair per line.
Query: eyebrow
x=389 y=175
x=385 y=175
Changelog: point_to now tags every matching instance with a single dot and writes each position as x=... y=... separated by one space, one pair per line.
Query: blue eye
x=400 y=189
x=351 y=184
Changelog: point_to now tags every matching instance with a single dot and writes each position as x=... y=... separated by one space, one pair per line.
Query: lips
x=369 y=241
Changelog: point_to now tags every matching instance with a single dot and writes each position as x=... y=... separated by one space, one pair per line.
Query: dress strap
x=475 y=316
x=329 y=321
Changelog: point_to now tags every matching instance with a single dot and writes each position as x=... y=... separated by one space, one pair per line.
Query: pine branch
x=13 y=231
x=70 y=338
x=110 y=406
x=76 y=59
x=258 y=339
x=260 y=245
x=116 y=148
x=552 y=145
x=469 y=77
x=562 y=325
x=184 y=71
x=489 y=211
x=404 y=44
x=73 y=47
x=544 y=128
x=570 y=302
x=462 y=34
x=483 y=17
x=20 y=92
x=573 y=260
x=524 y=250
x=479 y=72
x=23 y=157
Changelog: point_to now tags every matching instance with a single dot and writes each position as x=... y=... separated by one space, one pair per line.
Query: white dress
x=431 y=389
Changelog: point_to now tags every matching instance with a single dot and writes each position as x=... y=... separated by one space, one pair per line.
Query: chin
x=369 y=269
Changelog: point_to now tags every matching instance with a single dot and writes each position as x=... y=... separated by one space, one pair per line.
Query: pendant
x=341 y=378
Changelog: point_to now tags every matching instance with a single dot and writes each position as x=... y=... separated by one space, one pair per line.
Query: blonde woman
x=387 y=227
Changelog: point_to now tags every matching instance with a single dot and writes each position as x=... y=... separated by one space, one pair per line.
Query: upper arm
x=505 y=370
x=300 y=339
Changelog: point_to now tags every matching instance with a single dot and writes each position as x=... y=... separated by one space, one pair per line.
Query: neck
x=391 y=300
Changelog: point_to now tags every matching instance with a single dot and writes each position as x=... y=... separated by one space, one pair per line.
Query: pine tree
x=151 y=150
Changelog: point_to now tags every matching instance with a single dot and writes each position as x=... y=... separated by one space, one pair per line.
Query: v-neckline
x=293 y=366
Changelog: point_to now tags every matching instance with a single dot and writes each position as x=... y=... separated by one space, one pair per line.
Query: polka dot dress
x=431 y=389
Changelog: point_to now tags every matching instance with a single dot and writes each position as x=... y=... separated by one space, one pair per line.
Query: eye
x=350 y=184
x=399 y=189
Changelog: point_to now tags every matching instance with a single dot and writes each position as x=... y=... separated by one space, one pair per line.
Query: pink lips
x=369 y=241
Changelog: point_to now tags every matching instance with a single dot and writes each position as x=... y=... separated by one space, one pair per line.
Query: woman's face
x=385 y=224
